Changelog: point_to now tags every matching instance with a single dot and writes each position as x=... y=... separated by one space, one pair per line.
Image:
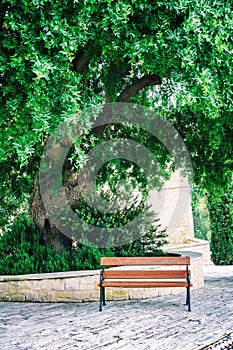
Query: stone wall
x=81 y=286
x=172 y=205
x=193 y=245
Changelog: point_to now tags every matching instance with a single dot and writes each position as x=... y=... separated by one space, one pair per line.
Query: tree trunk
x=51 y=234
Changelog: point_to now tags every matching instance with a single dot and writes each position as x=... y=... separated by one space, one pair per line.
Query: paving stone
x=155 y=323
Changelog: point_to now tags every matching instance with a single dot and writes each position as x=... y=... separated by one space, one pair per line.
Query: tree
x=221 y=219
x=58 y=58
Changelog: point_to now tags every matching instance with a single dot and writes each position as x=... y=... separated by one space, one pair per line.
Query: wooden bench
x=139 y=277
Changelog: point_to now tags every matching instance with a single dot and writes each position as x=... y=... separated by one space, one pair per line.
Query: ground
x=154 y=324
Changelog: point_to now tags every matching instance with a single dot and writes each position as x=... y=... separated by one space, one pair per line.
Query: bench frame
x=145 y=278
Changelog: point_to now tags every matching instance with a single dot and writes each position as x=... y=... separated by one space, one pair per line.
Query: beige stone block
x=137 y=293
x=119 y=293
x=164 y=291
x=49 y=284
x=3 y=287
x=68 y=295
x=11 y=289
x=24 y=285
x=87 y=283
x=75 y=296
x=56 y=284
x=178 y=290
x=20 y=288
x=152 y=292
x=37 y=285
x=32 y=296
x=5 y=297
x=108 y=294
x=18 y=297
x=90 y=296
x=96 y=282
x=14 y=283
x=197 y=277
x=44 y=297
x=72 y=284
x=94 y=295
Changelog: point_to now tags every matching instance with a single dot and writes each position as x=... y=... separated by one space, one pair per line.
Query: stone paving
x=154 y=324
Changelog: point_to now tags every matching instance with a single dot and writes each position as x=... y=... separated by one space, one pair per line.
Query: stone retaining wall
x=76 y=286
x=194 y=245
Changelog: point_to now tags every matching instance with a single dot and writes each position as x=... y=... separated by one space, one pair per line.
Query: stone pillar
x=172 y=205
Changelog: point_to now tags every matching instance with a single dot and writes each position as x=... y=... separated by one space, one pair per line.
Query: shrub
x=221 y=224
x=22 y=250
x=149 y=244
x=201 y=219
x=146 y=224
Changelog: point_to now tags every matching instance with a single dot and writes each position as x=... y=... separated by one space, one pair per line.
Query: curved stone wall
x=78 y=286
x=194 y=245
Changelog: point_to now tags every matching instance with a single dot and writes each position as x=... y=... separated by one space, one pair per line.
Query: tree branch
x=80 y=61
x=138 y=85
x=117 y=71
x=127 y=93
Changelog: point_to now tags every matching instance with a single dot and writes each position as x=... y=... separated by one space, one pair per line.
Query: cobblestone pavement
x=155 y=324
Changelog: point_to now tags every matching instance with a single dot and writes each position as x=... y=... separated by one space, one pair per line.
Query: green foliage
x=201 y=222
x=187 y=44
x=150 y=244
x=87 y=257
x=221 y=222
x=200 y=216
x=22 y=251
x=134 y=224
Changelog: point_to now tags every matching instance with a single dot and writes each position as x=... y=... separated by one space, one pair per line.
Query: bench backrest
x=171 y=273
x=146 y=261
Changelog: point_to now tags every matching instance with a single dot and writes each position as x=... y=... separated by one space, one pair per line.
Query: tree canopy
x=60 y=57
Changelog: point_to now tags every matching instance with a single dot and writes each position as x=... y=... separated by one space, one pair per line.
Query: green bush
x=149 y=244
x=88 y=257
x=22 y=250
x=201 y=219
x=146 y=224
x=221 y=224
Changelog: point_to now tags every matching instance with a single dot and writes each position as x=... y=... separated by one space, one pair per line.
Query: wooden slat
x=143 y=274
x=144 y=284
x=137 y=261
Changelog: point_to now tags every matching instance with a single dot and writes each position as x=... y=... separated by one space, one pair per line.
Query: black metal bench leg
x=104 y=301
x=101 y=298
x=188 y=299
